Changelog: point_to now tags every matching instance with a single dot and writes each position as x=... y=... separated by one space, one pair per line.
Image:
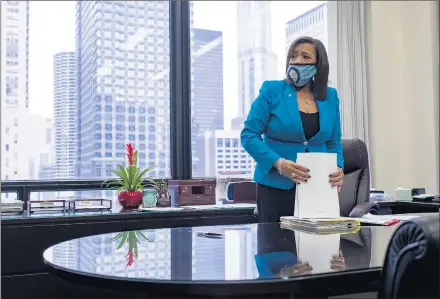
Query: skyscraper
x=123 y=94
x=64 y=115
x=312 y=23
x=14 y=92
x=256 y=60
x=207 y=91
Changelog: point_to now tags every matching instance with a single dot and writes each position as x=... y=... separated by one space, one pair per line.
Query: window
x=12 y=14
x=12 y=43
x=11 y=86
x=227 y=74
x=108 y=108
x=251 y=78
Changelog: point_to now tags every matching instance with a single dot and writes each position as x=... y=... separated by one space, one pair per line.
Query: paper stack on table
x=387 y=220
x=317 y=202
x=321 y=225
x=9 y=206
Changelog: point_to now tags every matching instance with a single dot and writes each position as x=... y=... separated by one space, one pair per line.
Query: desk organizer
x=92 y=204
x=45 y=206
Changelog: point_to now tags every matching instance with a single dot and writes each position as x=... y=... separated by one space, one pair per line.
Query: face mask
x=301 y=74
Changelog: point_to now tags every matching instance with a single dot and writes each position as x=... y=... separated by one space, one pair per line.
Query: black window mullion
x=180 y=94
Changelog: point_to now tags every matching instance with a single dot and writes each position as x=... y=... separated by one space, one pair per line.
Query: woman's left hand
x=336 y=178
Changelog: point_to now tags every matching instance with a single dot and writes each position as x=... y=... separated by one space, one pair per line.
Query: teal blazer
x=273 y=130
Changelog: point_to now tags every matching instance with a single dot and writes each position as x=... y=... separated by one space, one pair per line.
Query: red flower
x=130 y=154
x=130 y=258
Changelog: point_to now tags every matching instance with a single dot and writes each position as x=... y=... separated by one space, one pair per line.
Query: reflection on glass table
x=245 y=253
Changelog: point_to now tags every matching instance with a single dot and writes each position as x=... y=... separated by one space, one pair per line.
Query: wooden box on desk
x=192 y=192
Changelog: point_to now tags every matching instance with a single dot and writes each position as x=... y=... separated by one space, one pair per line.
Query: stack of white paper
x=321 y=225
x=317 y=198
x=11 y=206
x=390 y=219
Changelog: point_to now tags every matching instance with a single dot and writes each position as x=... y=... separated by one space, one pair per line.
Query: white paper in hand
x=317 y=198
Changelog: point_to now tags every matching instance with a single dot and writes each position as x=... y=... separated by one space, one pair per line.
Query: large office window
x=235 y=47
x=94 y=75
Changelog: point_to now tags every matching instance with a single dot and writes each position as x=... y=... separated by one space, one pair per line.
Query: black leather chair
x=355 y=192
x=411 y=266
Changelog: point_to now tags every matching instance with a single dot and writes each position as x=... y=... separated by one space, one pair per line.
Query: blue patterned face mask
x=301 y=74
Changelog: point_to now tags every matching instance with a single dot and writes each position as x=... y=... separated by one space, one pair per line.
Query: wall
x=403 y=76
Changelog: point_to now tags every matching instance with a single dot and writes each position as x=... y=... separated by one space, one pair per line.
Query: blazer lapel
x=291 y=102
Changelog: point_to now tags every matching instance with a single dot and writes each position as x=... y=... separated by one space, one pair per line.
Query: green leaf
x=130 y=172
x=143 y=236
x=130 y=239
x=135 y=158
x=122 y=171
x=123 y=240
x=139 y=175
x=119 y=235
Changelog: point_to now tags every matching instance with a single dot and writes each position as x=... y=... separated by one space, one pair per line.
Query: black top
x=310 y=123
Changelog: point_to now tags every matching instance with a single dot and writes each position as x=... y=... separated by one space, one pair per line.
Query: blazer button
x=305 y=143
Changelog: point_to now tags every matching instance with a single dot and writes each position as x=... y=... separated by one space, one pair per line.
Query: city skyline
x=114 y=87
x=47 y=39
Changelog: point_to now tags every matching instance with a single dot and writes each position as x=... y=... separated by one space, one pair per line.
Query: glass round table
x=231 y=260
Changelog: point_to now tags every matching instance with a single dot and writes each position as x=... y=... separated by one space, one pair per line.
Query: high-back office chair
x=355 y=192
x=411 y=267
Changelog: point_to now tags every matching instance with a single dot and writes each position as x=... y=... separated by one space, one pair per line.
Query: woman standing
x=291 y=116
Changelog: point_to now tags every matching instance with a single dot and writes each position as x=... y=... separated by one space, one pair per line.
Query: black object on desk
x=426 y=198
x=405 y=207
x=179 y=264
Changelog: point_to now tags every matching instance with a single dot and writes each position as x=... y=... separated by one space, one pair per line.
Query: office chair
x=411 y=266
x=354 y=198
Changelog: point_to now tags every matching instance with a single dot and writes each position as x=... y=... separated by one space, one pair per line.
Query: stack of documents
x=11 y=206
x=387 y=220
x=317 y=198
x=321 y=225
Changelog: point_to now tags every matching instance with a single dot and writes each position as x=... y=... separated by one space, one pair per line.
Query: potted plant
x=132 y=238
x=130 y=183
x=163 y=197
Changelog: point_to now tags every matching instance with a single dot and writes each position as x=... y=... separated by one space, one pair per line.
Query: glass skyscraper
x=207 y=93
x=14 y=91
x=64 y=115
x=122 y=57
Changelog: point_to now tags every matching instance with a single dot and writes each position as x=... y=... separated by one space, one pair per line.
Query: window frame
x=180 y=90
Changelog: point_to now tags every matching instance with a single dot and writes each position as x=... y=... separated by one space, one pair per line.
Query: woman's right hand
x=297 y=270
x=296 y=172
